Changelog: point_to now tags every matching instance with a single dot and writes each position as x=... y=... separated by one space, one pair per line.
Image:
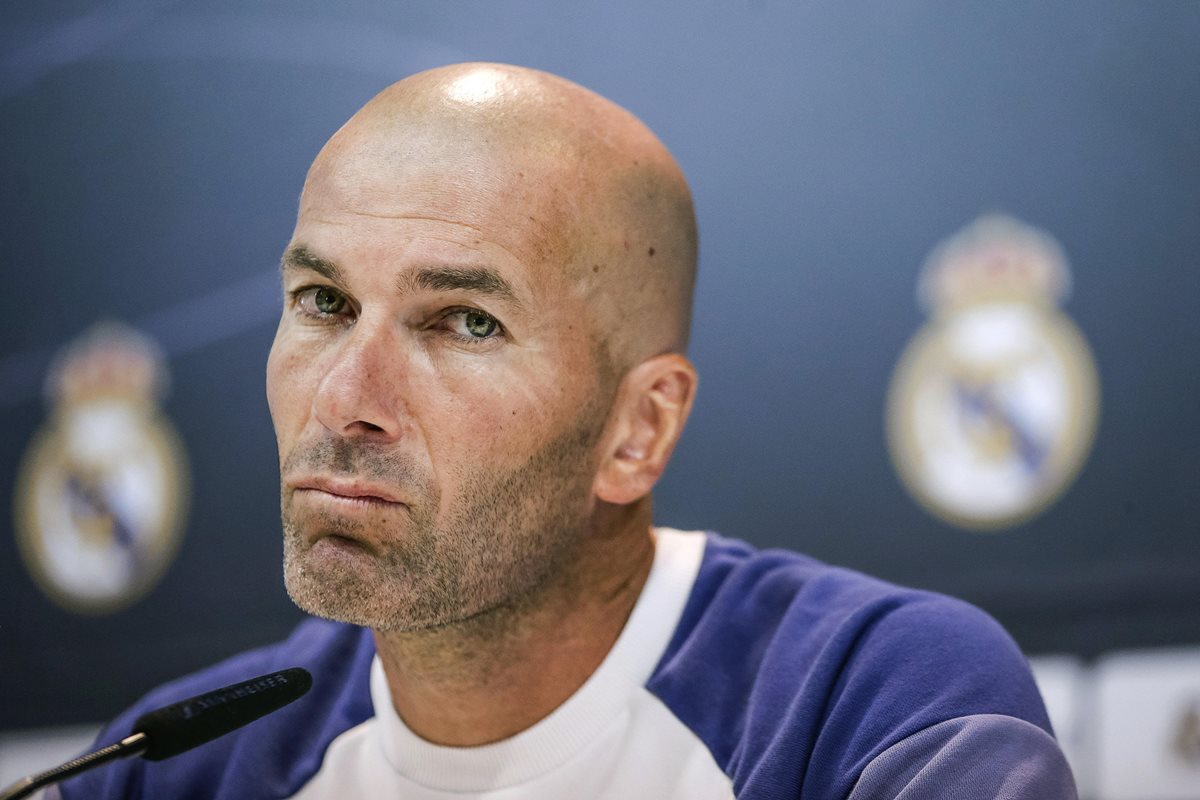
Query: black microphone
x=181 y=726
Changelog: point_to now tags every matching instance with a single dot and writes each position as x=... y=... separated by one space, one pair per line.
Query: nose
x=360 y=392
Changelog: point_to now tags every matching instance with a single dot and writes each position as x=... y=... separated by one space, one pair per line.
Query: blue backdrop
x=151 y=154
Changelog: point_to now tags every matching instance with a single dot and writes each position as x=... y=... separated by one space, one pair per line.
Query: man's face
x=435 y=393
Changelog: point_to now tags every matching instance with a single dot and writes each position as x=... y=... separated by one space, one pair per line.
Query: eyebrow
x=300 y=257
x=480 y=280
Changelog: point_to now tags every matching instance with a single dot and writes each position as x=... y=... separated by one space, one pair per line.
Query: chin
x=357 y=594
x=325 y=588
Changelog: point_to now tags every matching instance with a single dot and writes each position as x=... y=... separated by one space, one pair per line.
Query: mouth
x=349 y=493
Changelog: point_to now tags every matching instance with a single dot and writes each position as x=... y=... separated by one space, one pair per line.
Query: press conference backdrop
x=866 y=175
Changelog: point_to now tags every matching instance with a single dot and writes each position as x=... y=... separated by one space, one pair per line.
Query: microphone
x=181 y=726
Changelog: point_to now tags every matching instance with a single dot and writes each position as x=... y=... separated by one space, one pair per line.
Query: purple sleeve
x=978 y=757
x=806 y=681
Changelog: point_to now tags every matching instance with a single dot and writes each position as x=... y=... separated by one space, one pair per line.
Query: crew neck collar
x=604 y=697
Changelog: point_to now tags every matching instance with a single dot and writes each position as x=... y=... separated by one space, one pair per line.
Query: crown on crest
x=996 y=257
x=110 y=360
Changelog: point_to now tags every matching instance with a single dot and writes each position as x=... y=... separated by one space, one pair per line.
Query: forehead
x=469 y=193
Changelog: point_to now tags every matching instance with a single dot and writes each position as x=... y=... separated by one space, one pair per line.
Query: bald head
x=605 y=209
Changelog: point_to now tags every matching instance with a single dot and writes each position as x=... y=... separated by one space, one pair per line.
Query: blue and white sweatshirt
x=756 y=675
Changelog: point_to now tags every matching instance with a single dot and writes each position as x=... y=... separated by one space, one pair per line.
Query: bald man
x=478 y=377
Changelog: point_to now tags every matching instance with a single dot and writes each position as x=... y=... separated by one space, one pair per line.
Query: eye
x=327 y=301
x=321 y=301
x=472 y=325
x=479 y=325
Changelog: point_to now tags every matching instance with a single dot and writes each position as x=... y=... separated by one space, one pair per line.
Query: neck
x=492 y=676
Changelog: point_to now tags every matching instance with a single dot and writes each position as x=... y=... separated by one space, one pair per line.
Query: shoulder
x=338 y=657
x=781 y=662
x=807 y=610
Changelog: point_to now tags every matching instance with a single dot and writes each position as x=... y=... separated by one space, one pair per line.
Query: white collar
x=604 y=697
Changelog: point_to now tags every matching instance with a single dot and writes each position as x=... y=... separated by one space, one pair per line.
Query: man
x=477 y=379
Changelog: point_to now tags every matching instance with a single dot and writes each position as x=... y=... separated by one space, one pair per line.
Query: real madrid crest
x=994 y=402
x=102 y=489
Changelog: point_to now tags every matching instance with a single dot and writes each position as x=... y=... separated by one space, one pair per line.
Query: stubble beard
x=510 y=536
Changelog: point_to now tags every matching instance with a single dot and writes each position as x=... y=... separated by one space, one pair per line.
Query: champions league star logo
x=994 y=403
x=101 y=493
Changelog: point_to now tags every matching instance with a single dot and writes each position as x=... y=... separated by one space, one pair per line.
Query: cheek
x=513 y=412
x=287 y=397
x=481 y=416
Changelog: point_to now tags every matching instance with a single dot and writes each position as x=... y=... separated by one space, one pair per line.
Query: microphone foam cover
x=181 y=726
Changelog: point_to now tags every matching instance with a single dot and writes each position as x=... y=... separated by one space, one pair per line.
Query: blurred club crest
x=102 y=489
x=993 y=404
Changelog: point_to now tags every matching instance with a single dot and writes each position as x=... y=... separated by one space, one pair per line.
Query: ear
x=648 y=415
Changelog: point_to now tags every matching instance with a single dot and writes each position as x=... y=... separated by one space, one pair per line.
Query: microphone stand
x=133 y=745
